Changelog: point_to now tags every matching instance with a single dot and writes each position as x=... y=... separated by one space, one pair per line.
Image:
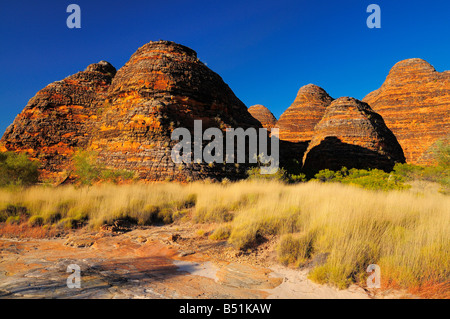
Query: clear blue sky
x=264 y=50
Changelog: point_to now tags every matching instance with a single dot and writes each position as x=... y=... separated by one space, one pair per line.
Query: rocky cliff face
x=415 y=103
x=297 y=123
x=351 y=134
x=60 y=118
x=164 y=86
x=262 y=114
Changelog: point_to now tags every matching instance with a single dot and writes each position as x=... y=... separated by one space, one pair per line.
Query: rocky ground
x=174 y=261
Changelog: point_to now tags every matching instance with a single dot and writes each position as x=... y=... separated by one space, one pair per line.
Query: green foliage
x=90 y=171
x=13 y=220
x=379 y=180
x=442 y=153
x=86 y=167
x=327 y=175
x=254 y=173
x=13 y=211
x=439 y=173
x=281 y=175
x=36 y=221
x=67 y=223
x=17 y=170
x=374 y=179
x=116 y=175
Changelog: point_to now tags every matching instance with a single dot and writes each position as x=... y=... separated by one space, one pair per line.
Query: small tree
x=18 y=170
x=442 y=153
x=89 y=170
x=86 y=167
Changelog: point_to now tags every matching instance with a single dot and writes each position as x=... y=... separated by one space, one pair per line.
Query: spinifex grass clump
x=71 y=207
x=405 y=233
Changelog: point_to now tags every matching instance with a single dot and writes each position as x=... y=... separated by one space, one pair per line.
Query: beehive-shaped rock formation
x=162 y=87
x=351 y=134
x=297 y=123
x=60 y=118
x=415 y=103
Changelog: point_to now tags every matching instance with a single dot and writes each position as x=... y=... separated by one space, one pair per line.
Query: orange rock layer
x=297 y=123
x=262 y=114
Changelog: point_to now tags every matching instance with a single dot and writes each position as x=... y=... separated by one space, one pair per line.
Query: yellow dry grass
x=405 y=232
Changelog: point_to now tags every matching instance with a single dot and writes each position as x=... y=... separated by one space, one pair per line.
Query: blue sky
x=264 y=50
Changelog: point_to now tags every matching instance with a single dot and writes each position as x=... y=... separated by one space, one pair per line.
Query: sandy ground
x=155 y=262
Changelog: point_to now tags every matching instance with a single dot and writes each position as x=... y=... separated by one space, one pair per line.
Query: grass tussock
x=404 y=232
x=71 y=207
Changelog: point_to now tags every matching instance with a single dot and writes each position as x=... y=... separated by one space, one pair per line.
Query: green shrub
x=13 y=211
x=116 y=175
x=441 y=152
x=281 y=175
x=53 y=217
x=86 y=167
x=327 y=175
x=373 y=179
x=17 y=170
x=254 y=173
x=90 y=171
x=437 y=174
x=67 y=223
x=13 y=220
x=36 y=221
x=297 y=178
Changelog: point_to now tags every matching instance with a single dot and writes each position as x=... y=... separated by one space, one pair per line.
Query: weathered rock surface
x=262 y=114
x=297 y=123
x=351 y=134
x=60 y=118
x=164 y=86
x=415 y=104
x=123 y=266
